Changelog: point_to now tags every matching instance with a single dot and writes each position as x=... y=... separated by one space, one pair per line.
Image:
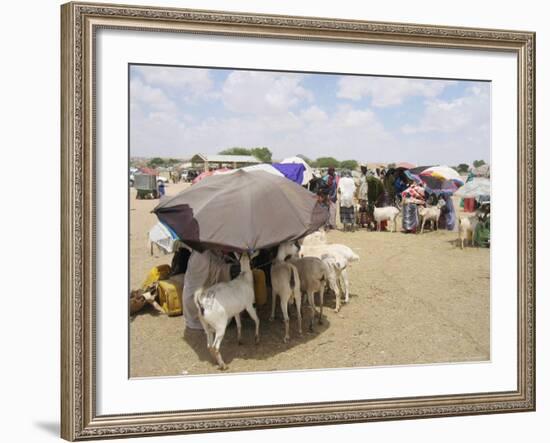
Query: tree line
x=265 y=155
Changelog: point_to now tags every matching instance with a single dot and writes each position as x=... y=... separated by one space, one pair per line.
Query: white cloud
x=314 y=114
x=262 y=92
x=152 y=98
x=345 y=133
x=188 y=84
x=277 y=110
x=388 y=91
x=469 y=114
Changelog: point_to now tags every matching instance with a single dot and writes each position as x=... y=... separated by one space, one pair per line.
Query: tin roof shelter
x=218 y=161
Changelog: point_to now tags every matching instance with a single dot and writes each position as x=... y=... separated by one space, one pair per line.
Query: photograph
x=286 y=220
x=272 y=219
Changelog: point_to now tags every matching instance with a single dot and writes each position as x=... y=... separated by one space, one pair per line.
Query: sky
x=180 y=111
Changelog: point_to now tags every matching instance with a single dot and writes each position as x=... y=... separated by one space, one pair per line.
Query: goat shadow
x=271 y=334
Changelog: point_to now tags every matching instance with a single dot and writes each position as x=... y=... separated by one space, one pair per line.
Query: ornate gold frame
x=79 y=23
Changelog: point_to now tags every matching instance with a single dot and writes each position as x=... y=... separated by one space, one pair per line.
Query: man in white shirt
x=346 y=189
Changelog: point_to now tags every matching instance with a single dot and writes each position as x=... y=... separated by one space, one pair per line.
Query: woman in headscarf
x=447 y=219
x=412 y=197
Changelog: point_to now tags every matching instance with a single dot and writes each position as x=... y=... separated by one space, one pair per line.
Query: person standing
x=413 y=196
x=161 y=188
x=203 y=270
x=346 y=188
x=331 y=181
x=363 y=196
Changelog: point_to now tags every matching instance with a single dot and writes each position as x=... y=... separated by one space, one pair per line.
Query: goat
x=315 y=238
x=342 y=256
x=386 y=213
x=223 y=301
x=285 y=283
x=337 y=266
x=431 y=213
x=466 y=228
x=314 y=276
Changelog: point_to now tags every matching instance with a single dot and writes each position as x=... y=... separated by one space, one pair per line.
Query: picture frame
x=80 y=23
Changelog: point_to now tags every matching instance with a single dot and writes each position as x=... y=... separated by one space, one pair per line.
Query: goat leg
x=252 y=312
x=216 y=350
x=238 y=321
x=321 y=301
x=284 y=308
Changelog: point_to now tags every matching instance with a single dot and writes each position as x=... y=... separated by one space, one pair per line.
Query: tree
x=478 y=163
x=263 y=154
x=308 y=160
x=235 y=151
x=349 y=164
x=462 y=168
x=391 y=165
x=327 y=162
x=155 y=162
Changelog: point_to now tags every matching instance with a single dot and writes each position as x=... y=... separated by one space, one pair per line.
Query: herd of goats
x=306 y=267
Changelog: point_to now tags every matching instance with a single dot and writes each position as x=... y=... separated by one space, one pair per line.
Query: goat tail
x=294 y=278
x=197 y=296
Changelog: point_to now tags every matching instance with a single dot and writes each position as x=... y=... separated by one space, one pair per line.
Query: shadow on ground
x=271 y=335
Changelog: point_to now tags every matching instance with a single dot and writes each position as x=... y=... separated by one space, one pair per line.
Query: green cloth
x=482 y=233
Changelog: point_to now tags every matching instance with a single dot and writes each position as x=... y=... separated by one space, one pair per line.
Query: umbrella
x=404 y=165
x=442 y=178
x=308 y=172
x=205 y=174
x=443 y=173
x=242 y=211
x=476 y=188
x=413 y=177
x=419 y=169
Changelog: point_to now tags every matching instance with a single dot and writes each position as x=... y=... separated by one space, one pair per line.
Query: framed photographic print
x=283 y=221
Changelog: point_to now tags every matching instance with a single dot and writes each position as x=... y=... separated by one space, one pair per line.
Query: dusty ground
x=415 y=299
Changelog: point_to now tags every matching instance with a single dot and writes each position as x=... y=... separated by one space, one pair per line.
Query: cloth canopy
x=292 y=171
x=308 y=171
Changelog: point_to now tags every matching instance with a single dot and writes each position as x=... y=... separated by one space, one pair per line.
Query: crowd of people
x=356 y=203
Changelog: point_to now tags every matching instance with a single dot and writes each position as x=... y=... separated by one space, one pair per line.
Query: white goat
x=387 y=213
x=223 y=301
x=337 y=272
x=466 y=228
x=315 y=238
x=342 y=258
x=431 y=214
x=285 y=283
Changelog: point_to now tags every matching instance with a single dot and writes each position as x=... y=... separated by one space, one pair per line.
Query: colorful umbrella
x=443 y=173
x=205 y=174
x=404 y=165
x=442 y=178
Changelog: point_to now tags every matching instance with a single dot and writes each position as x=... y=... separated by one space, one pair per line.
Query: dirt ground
x=415 y=299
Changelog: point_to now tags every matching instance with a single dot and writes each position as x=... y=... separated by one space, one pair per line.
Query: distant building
x=216 y=161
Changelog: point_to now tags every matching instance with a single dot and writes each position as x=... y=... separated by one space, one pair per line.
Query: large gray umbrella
x=242 y=211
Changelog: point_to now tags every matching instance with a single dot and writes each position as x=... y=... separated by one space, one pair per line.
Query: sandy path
x=415 y=299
